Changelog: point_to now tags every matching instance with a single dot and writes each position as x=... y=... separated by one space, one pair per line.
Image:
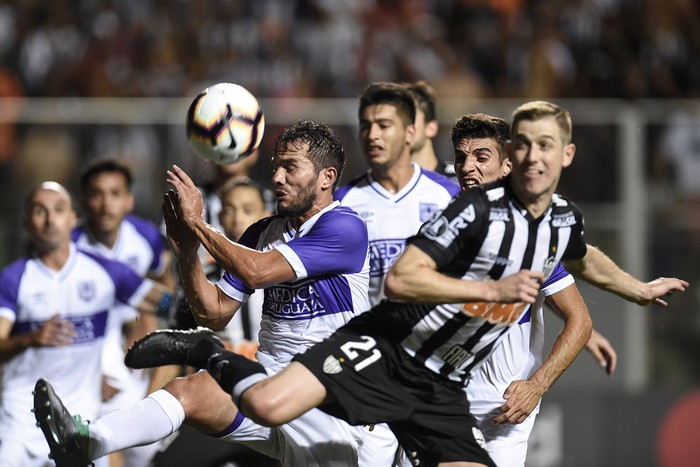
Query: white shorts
x=314 y=439
x=380 y=448
x=506 y=443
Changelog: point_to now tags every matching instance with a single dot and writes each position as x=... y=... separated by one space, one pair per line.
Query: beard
x=303 y=204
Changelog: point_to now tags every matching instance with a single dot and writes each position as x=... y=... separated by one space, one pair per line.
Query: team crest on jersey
x=133 y=262
x=549 y=265
x=427 y=210
x=331 y=365
x=86 y=291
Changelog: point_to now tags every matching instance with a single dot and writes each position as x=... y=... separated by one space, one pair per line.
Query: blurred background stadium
x=86 y=78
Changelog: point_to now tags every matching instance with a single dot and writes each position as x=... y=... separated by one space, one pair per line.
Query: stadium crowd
x=320 y=48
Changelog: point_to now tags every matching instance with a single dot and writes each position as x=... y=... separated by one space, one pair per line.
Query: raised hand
x=603 y=352
x=662 y=287
x=189 y=203
x=523 y=286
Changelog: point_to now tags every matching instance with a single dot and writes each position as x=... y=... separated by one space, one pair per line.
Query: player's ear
x=431 y=128
x=410 y=134
x=569 y=152
x=506 y=167
x=329 y=176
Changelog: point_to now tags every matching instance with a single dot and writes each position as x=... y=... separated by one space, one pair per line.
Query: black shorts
x=375 y=381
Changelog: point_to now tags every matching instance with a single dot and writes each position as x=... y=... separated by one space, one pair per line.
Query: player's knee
x=188 y=391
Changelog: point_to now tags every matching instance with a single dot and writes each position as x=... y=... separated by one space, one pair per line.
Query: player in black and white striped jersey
x=482 y=260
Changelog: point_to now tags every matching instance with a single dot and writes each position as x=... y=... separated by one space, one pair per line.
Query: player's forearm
x=255 y=268
x=425 y=285
x=601 y=271
x=568 y=344
x=209 y=308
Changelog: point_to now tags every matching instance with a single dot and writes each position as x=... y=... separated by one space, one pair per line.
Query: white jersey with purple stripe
x=329 y=254
x=393 y=217
x=518 y=355
x=82 y=292
x=139 y=244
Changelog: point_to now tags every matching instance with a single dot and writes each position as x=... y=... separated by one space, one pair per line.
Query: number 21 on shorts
x=350 y=350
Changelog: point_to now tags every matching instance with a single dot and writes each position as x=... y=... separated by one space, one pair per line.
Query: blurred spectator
x=602 y=48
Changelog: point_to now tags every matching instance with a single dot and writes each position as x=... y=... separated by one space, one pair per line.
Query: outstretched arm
x=414 y=277
x=522 y=396
x=601 y=271
x=210 y=306
x=256 y=269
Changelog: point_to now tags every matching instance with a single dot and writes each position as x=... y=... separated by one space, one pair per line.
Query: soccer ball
x=224 y=123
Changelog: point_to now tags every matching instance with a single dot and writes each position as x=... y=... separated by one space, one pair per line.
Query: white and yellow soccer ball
x=225 y=123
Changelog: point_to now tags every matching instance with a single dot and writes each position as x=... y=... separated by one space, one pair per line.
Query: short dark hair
x=104 y=165
x=394 y=94
x=241 y=181
x=425 y=97
x=480 y=125
x=325 y=148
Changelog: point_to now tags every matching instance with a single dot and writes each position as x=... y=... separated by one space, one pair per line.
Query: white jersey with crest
x=393 y=217
x=329 y=254
x=82 y=292
x=140 y=246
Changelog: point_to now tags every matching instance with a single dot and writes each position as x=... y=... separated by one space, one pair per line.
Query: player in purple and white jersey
x=311 y=259
x=471 y=273
x=394 y=198
x=110 y=230
x=54 y=307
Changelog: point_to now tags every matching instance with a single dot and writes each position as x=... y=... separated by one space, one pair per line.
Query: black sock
x=229 y=369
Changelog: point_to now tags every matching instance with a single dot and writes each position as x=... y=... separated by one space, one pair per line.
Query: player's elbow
x=263 y=409
x=395 y=287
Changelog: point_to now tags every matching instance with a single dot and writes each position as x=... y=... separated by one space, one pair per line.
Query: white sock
x=144 y=422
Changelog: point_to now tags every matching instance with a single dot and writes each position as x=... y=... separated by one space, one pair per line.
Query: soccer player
x=311 y=259
x=427 y=126
x=109 y=229
x=404 y=361
x=394 y=197
x=480 y=143
x=54 y=306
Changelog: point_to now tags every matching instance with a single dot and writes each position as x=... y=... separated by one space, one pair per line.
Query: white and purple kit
x=82 y=292
x=329 y=254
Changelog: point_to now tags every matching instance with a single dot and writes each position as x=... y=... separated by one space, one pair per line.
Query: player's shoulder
x=14 y=269
x=144 y=226
x=354 y=184
x=564 y=211
x=440 y=180
x=112 y=266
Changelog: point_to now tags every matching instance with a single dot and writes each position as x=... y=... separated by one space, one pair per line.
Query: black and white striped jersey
x=483 y=234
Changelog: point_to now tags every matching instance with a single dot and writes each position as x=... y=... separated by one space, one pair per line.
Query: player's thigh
x=207 y=407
